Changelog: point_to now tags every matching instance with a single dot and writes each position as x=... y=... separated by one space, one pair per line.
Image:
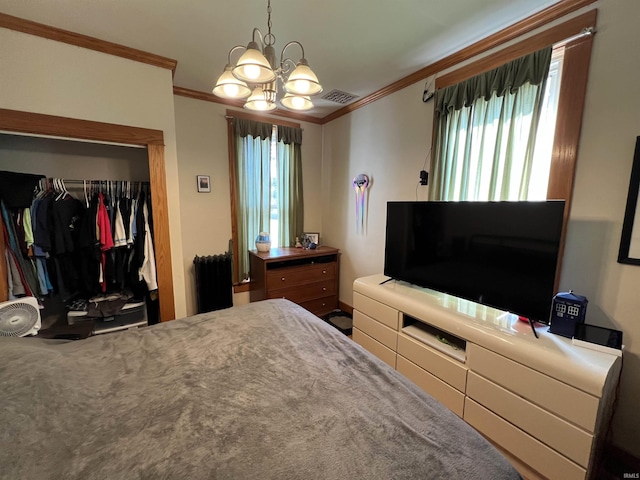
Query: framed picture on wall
x=630 y=242
x=204 y=183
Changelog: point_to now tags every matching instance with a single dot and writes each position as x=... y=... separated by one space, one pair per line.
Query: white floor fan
x=19 y=317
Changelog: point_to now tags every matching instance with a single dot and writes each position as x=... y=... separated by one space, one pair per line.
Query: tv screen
x=501 y=254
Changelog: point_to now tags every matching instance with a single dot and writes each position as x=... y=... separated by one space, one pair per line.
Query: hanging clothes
x=96 y=241
x=148 y=268
x=16 y=189
x=105 y=238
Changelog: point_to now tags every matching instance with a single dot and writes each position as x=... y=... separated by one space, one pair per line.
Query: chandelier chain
x=269 y=20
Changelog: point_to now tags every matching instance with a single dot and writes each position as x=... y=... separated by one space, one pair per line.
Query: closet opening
x=104 y=155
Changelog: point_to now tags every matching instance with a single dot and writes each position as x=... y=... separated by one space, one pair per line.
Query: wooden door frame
x=14 y=121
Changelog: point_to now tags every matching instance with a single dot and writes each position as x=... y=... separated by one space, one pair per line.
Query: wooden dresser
x=306 y=277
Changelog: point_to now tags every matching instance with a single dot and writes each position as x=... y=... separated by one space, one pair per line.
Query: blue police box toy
x=567 y=310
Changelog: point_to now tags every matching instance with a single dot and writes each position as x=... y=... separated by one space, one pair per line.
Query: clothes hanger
x=84 y=187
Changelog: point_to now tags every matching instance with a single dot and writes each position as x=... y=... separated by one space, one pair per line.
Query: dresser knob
x=324 y=289
x=324 y=271
x=282 y=279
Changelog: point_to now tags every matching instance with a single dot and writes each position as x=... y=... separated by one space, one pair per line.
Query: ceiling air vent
x=339 y=96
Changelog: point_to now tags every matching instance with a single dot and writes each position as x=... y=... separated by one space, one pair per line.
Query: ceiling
x=356 y=46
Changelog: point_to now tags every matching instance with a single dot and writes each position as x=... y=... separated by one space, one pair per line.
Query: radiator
x=213 y=282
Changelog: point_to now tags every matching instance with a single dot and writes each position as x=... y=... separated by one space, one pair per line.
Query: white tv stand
x=545 y=403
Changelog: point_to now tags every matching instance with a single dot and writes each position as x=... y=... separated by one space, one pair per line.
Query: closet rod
x=81 y=182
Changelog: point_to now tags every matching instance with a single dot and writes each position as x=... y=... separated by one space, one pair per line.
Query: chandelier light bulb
x=297 y=102
x=301 y=86
x=251 y=71
x=231 y=90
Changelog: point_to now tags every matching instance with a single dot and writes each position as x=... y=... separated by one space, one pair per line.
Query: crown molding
x=537 y=20
x=52 y=33
x=541 y=40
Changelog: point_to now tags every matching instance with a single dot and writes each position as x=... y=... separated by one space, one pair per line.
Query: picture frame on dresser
x=313 y=237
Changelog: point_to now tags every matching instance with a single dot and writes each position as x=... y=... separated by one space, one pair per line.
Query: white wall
x=611 y=124
x=43 y=76
x=388 y=139
x=206 y=217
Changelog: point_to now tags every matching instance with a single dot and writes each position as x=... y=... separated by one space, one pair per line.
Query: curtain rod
x=583 y=33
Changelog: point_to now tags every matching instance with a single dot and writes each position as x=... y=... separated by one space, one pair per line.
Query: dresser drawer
x=305 y=292
x=379 y=350
x=524 y=447
x=376 y=310
x=555 y=432
x=434 y=362
x=321 y=306
x=444 y=393
x=375 y=329
x=565 y=401
x=300 y=274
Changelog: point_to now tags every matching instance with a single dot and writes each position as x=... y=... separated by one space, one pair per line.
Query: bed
x=259 y=391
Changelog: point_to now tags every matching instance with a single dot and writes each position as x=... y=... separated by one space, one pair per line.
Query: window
x=539 y=182
x=266 y=185
x=487 y=132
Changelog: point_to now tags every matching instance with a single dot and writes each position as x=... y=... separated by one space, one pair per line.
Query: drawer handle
x=282 y=279
x=324 y=271
x=324 y=289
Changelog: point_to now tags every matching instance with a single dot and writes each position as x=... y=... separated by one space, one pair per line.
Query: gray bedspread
x=261 y=391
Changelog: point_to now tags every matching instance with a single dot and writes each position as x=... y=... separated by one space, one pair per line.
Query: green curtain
x=485 y=132
x=290 y=199
x=253 y=185
x=253 y=150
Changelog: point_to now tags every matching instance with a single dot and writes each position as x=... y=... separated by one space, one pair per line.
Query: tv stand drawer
x=532 y=452
x=376 y=330
x=385 y=354
x=566 y=401
x=446 y=369
x=562 y=436
x=376 y=310
x=441 y=391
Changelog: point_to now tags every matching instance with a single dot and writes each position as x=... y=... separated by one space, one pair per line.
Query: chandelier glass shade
x=296 y=102
x=256 y=75
x=259 y=100
x=229 y=86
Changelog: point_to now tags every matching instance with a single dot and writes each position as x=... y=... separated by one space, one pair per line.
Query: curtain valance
x=244 y=128
x=532 y=68
x=289 y=135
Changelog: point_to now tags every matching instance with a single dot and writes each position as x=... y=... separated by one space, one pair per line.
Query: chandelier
x=256 y=75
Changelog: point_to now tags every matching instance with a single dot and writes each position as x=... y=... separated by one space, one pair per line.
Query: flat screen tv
x=500 y=254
